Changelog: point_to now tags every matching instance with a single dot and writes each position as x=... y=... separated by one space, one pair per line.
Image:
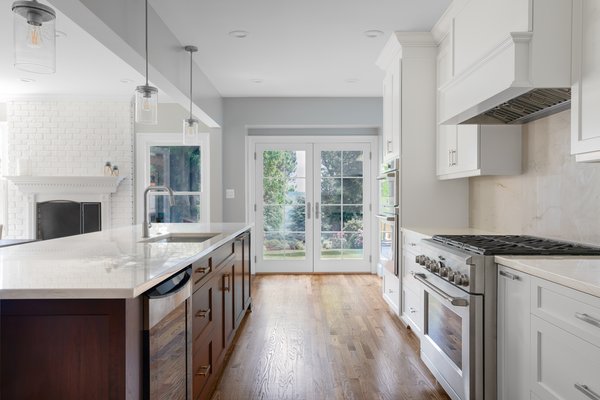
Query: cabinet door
x=247 y=272
x=227 y=284
x=391 y=290
x=466 y=157
x=397 y=108
x=513 y=334
x=238 y=282
x=388 y=144
x=585 y=96
x=446 y=146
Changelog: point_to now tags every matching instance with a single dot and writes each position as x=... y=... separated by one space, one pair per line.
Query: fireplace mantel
x=66 y=184
x=38 y=189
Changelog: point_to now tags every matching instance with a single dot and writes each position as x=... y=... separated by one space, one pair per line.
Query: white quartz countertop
x=579 y=273
x=107 y=264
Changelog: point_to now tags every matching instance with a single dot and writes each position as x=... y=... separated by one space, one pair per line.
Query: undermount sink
x=180 y=238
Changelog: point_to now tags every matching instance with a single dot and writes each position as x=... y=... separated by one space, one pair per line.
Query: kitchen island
x=72 y=311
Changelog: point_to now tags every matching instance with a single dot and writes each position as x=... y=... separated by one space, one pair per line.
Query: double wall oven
x=389 y=216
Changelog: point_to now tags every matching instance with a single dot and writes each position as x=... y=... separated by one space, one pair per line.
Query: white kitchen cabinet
x=391 y=111
x=585 y=95
x=475 y=150
x=513 y=334
x=412 y=310
x=548 y=339
x=412 y=290
x=391 y=290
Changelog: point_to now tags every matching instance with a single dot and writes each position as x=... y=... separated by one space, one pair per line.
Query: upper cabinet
x=392 y=87
x=585 y=118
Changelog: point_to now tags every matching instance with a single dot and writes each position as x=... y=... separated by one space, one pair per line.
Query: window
x=164 y=161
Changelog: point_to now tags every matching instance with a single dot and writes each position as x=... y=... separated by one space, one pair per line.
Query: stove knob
x=435 y=267
x=450 y=275
x=427 y=263
x=444 y=271
x=418 y=259
x=457 y=279
x=464 y=280
x=421 y=259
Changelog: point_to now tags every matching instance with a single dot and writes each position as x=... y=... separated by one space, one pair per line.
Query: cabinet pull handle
x=454 y=157
x=412 y=244
x=201 y=270
x=317 y=210
x=389 y=146
x=308 y=207
x=588 y=318
x=202 y=313
x=449 y=158
x=412 y=310
x=509 y=275
x=203 y=370
x=587 y=391
x=228 y=287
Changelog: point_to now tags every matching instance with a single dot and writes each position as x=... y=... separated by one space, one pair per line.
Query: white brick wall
x=70 y=138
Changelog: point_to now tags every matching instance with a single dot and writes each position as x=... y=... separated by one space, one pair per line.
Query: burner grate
x=515 y=245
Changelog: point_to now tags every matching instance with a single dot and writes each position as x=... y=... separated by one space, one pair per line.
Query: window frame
x=144 y=141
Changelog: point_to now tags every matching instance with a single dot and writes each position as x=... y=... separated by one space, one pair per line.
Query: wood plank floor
x=324 y=337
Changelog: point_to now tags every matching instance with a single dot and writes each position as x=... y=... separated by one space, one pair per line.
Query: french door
x=313 y=204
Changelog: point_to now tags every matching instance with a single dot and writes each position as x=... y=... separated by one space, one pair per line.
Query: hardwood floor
x=324 y=337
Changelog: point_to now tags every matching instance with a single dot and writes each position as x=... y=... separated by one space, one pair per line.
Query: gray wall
x=305 y=114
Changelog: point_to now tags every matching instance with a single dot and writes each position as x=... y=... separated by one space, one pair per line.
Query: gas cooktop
x=516 y=245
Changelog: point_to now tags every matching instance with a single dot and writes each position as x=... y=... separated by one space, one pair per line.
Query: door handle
x=455 y=301
x=308 y=207
x=317 y=210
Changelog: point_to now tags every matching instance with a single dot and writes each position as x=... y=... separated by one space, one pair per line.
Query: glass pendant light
x=190 y=125
x=146 y=96
x=34 y=37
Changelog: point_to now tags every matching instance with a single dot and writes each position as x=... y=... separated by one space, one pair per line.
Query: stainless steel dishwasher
x=167 y=339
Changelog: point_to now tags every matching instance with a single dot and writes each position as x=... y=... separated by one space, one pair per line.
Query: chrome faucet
x=146 y=224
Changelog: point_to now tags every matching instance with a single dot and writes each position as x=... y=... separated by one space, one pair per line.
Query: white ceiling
x=296 y=47
x=84 y=67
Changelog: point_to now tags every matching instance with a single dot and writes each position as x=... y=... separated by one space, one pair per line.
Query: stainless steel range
x=459 y=277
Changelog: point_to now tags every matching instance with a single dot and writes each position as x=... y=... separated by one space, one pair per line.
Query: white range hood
x=524 y=77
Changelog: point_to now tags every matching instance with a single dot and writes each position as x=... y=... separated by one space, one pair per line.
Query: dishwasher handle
x=166 y=297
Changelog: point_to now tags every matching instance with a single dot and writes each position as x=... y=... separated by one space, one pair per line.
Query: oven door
x=388 y=192
x=452 y=345
x=388 y=242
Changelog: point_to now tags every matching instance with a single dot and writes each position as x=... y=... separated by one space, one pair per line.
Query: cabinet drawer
x=204 y=307
x=562 y=365
x=412 y=310
x=202 y=363
x=569 y=309
x=202 y=268
x=411 y=241
x=410 y=266
x=391 y=290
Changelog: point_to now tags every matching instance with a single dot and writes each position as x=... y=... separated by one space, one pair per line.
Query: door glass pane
x=186 y=208
x=342 y=216
x=175 y=166
x=284 y=209
x=445 y=329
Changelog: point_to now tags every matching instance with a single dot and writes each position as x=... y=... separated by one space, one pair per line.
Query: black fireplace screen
x=61 y=218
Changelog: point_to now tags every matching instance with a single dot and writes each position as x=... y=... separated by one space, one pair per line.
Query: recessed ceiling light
x=351 y=80
x=256 y=80
x=373 y=33
x=126 y=80
x=60 y=34
x=27 y=80
x=238 y=34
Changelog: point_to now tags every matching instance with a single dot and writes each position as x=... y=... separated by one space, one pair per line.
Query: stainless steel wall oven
x=389 y=216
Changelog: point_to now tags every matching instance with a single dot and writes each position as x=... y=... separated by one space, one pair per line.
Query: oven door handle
x=386 y=175
x=455 y=301
x=387 y=217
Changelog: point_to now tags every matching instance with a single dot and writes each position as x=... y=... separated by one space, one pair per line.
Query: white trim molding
x=73 y=188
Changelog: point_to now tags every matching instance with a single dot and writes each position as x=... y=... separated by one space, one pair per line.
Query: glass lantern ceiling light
x=190 y=125
x=146 y=96
x=34 y=37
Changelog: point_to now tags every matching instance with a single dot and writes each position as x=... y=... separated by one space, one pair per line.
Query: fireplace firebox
x=60 y=218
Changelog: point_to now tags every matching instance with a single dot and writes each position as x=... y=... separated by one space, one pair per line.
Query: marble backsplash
x=553 y=197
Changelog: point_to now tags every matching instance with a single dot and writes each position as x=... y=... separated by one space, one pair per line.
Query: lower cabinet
x=218 y=307
x=513 y=334
x=548 y=340
x=391 y=290
x=412 y=310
